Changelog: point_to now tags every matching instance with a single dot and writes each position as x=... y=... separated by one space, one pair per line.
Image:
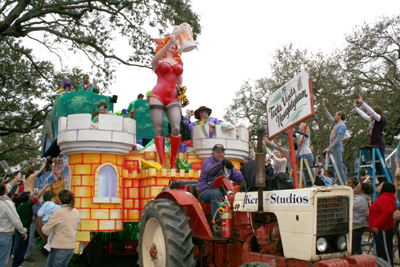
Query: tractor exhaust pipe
x=260 y=169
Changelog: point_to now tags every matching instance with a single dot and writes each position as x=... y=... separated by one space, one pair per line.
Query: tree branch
x=28 y=56
x=81 y=41
x=13 y=15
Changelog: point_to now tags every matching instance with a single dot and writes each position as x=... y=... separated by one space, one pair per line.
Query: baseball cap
x=217 y=147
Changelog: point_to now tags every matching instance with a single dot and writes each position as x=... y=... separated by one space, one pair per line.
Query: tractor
x=296 y=227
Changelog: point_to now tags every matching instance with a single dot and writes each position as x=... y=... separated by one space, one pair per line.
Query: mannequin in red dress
x=168 y=66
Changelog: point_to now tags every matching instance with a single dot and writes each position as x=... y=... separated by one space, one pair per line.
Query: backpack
x=273 y=181
x=318 y=181
x=186 y=134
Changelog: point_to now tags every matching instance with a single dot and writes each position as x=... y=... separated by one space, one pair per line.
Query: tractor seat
x=192 y=189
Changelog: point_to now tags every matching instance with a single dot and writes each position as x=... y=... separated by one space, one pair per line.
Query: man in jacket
x=9 y=220
x=213 y=166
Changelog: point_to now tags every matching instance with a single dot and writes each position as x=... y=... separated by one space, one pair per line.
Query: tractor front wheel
x=165 y=238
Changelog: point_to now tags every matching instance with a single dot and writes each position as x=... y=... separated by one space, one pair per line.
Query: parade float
x=133 y=200
x=111 y=180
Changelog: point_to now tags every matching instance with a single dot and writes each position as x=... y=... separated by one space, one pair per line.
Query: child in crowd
x=352 y=182
x=47 y=210
x=328 y=177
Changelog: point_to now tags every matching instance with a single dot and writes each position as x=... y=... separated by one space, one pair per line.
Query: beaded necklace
x=333 y=133
x=370 y=129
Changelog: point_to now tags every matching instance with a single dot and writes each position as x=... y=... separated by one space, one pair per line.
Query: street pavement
x=113 y=261
x=40 y=259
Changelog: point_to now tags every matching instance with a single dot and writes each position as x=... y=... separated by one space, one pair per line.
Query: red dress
x=165 y=89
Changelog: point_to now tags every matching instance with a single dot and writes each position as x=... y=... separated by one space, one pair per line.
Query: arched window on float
x=107 y=184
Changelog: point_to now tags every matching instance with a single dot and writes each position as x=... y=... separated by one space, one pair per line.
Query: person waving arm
x=327 y=114
x=375 y=115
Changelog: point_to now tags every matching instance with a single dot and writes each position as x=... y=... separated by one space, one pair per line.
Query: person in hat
x=202 y=114
x=168 y=66
x=208 y=193
x=87 y=86
x=25 y=212
x=65 y=87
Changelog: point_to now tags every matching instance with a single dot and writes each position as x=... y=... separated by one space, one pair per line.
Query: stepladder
x=305 y=181
x=372 y=159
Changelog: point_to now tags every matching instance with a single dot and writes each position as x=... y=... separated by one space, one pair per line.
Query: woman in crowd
x=362 y=195
x=9 y=220
x=280 y=162
x=30 y=175
x=168 y=66
x=377 y=123
x=381 y=221
x=305 y=150
x=64 y=222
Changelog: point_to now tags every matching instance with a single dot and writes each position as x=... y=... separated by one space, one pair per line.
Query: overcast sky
x=238 y=39
x=237 y=43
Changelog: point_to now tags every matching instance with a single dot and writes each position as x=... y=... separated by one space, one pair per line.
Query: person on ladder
x=335 y=140
x=305 y=151
x=377 y=123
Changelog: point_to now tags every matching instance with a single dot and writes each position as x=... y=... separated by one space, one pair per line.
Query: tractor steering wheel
x=217 y=181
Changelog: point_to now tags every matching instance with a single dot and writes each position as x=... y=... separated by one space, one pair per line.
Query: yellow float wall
x=136 y=187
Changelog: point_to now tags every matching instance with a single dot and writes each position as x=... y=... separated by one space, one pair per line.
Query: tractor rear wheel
x=165 y=238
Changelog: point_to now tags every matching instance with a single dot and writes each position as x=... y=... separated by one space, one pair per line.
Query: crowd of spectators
x=21 y=208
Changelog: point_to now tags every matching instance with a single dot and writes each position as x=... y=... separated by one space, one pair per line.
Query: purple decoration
x=182 y=148
x=124 y=111
x=66 y=83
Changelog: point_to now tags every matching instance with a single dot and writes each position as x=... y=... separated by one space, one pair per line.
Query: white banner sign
x=290 y=104
x=251 y=199
x=290 y=198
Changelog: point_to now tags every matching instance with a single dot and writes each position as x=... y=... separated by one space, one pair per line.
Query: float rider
x=87 y=86
x=202 y=114
x=131 y=107
x=208 y=193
